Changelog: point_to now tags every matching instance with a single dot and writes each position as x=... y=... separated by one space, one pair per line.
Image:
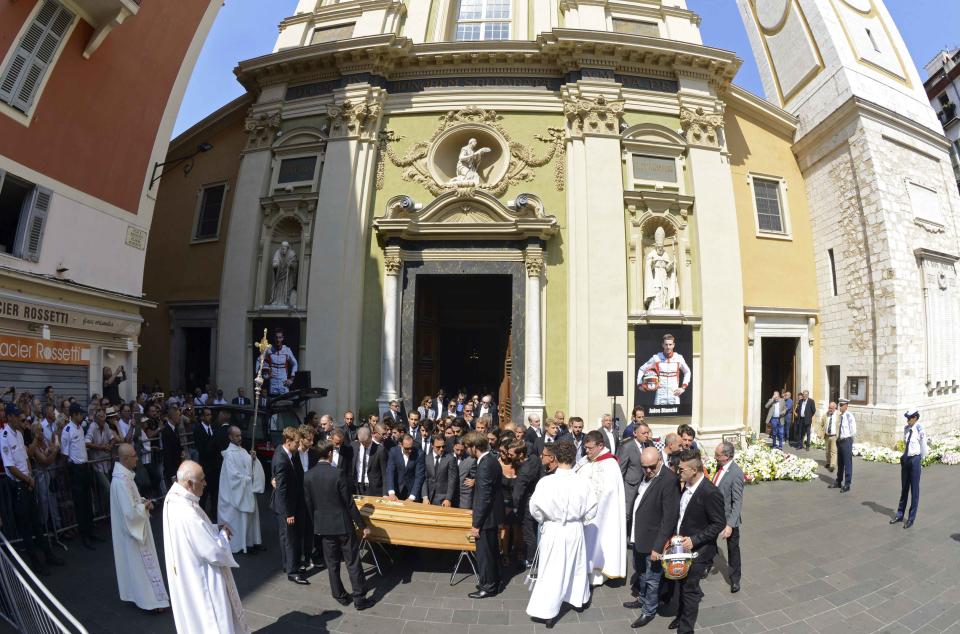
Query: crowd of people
x=563 y=506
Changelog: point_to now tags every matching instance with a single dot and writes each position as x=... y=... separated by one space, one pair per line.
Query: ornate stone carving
x=392 y=264
x=534 y=263
x=261 y=129
x=519 y=162
x=598 y=115
x=702 y=128
x=353 y=118
x=284 y=287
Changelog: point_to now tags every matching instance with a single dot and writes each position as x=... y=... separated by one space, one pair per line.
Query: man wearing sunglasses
x=655 y=511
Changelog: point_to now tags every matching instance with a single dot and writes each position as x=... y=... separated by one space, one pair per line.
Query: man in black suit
x=806 y=407
x=441 y=486
x=172 y=448
x=335 y=520
x=210 y=459
x=488 y=514
x=533 y=433
x=702 y=519
x=392 y=415
x=405 y=471
x=611 y=438
x=288 y=504
x=425 y=436
x=342 y=453
x=240 y=398
x=377 y=471
x=488 y=407
x=349 y=426
x=364 y=453
x=551 y=435
x=528 y=468
x=655 y=511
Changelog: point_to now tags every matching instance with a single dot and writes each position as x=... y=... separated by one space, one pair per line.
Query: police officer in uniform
x=16 y=466
x=914 y=451
x=73 y=444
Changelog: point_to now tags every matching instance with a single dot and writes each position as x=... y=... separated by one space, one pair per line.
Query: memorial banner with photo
x=664 y=380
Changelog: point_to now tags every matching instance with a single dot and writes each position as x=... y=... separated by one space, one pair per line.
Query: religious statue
x=660 y=290
x=468 y=164
x=284 y=276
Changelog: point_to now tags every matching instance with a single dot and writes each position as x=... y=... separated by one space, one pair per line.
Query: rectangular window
x=332 y=33
x=23 y=216
x=636 y=27
x=769 y=210
x=208 y=218
x=297 y=170
x=833 y=271
x=482 y=20
x=654 y=168
x=33 y=55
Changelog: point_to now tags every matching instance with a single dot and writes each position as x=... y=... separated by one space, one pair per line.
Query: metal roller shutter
x=67 y=380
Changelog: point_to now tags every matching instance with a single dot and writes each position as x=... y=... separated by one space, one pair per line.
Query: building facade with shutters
x=81 y=126
x=522 y=198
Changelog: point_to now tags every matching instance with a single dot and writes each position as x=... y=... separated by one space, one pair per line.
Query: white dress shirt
x=14 y=452
x=915 y=443
x=644 y=485
x=304 y=460
x=73 y=443
x=335 y=458
x=362 y=454
x=848 y=426
x=721 y=471
x=688 y=492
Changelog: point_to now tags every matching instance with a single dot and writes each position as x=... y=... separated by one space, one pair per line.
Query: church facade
x=523 y=198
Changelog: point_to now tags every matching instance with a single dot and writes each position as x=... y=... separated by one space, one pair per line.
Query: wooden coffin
x=409 y=523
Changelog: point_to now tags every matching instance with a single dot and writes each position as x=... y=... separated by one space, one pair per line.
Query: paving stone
x=494 y=618
x=465 y=616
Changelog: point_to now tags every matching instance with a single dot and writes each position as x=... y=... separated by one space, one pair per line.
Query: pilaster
x=335 y=300
x=533 y=372
x=390 y=341
x=596 y=248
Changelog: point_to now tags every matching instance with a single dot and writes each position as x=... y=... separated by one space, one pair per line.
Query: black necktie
x=906 y=447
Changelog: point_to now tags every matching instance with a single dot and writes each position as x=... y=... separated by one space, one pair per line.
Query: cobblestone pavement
x=814 y=560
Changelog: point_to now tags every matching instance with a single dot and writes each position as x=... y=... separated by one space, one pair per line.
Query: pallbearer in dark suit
x=405 y=471
x=528 y=474
x=364 y=452
x=307 y=458
x=729 y=480
x=701 y=522
x=377 y=471
x=210 y=459
x=488 y=513
x=288 y=503
x=441 y=486
x=336 y=521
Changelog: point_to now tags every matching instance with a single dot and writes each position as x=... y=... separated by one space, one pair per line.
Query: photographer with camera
x=111 y=384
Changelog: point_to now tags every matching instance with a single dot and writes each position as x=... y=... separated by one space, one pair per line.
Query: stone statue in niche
x=283 y=291
x=468 y=164
x=660 y=290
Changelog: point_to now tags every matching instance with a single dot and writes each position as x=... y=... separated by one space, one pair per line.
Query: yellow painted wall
x=776 y=273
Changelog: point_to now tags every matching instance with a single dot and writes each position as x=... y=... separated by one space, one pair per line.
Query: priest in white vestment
x=134 y=551
x=606 y=534
x=241 y=478
x=562 y=504
x=202 y=591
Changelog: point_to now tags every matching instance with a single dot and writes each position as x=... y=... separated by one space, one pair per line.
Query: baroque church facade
x=524 y=197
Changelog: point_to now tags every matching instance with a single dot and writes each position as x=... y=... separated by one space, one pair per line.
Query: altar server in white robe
x=606 y=534
x=562 y=504
x=241 y=478
x=202 y=591
x=134 y=551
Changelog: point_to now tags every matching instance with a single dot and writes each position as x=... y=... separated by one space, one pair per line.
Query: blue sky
x=248 y=28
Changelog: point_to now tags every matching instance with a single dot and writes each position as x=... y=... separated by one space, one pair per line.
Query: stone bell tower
x=883 y=206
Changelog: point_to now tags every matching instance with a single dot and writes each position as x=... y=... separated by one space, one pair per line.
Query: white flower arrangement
x=761 y=463
x=943 y=449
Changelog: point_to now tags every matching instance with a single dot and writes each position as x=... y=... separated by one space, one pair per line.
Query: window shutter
x=35 y=51
x=36 y=220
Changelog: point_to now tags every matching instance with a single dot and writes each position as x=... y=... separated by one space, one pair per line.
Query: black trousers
x=488 y=560
x=805 y=433
x=733 y=555
x=81 y=482
x=291 y=543
x=844 y=461
x=530 y=529
x=212 y=492
x=309 y=541
x=28 y=520
x=690 y=596
x=345 y=548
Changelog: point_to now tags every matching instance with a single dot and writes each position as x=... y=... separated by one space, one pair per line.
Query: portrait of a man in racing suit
x=281 y=365
x=673 y=374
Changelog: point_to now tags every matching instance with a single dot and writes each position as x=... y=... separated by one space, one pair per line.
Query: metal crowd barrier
x=25 y=603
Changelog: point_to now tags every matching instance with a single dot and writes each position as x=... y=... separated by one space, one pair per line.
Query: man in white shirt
x=610 y=435
x=74 y=446
x=914 y=451
x=846 y=432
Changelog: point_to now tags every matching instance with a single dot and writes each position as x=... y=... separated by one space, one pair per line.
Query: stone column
x=390 y=342
x=595 y=245
x=533 y=365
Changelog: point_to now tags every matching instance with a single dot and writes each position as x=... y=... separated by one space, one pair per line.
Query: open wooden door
x=506 y=385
